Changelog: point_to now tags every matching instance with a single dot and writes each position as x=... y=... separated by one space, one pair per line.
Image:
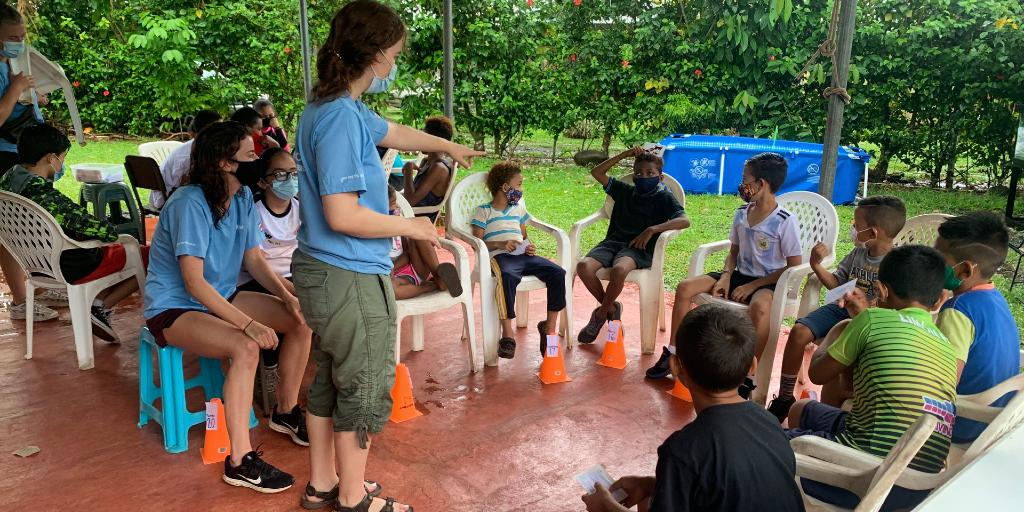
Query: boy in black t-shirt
x=734 y=456
x=641 y=213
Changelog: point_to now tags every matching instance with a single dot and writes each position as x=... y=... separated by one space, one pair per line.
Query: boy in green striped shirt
x=901 y=367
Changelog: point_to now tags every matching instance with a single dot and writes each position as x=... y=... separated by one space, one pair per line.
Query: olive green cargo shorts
x=353 y=320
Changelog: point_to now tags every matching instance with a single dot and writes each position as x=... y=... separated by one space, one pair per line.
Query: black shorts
x=608 y=251
x=739 y=279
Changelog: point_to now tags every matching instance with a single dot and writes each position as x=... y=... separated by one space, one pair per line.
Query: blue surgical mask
x=12 y=49
x=286 y=189
x=57 y=175
x=382 y=84
x=646 y=185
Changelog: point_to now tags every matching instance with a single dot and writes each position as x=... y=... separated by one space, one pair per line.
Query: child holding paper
x=876 y=222
x=733 y=456
x=501 y=224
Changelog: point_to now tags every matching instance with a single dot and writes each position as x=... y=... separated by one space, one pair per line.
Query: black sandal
x=331 y=497
x=364 y=505
x=449 y=275
x=507 y=348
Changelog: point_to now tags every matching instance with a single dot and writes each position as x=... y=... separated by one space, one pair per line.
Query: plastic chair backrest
x=1012 y=415
x=388 y=161
x=158 y=150
x=32 y=236
x=921 y=230
x=902 y=453
x=670 y=183
x=144 y=172
x=469 y=193
x=817 y=219
x=403 y=205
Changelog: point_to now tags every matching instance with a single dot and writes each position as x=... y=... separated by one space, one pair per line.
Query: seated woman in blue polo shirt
x=206 y=230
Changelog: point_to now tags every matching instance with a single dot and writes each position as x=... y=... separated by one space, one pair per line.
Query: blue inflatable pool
x=709 y=164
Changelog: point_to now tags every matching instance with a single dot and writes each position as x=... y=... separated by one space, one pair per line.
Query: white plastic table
x=991 y=482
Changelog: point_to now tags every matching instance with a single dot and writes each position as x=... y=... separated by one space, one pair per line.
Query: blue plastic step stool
x=173 y=416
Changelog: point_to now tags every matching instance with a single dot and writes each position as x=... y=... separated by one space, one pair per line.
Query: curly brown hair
x=647 y=157
x=439 y=126
x=501 y=173
x=359 y=32
x=217 y=142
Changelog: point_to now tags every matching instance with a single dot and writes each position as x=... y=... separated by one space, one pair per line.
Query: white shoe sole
x=47 y=318
x=285 y=430
x=244 y=483
x=103 y=332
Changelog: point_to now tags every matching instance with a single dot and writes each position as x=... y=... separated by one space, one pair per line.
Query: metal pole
x=307 y=76
x=834 y=124
x=449 y=81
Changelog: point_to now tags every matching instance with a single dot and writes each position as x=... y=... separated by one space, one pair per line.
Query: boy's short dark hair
x=40 y=140
x=439 y=126
x=771 y=168
x=887 y=213
x=914 y=272
x=715 y=344
x=501 y=173
x=659 y=163
x=247 y=116
x=202 y=119
x=980 y=236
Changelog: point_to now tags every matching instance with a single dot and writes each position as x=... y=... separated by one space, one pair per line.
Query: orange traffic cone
x=680 y=392
x=614 y=355
x=404 y=407
x=552 y=369
x=808 y=394
x=217 y=446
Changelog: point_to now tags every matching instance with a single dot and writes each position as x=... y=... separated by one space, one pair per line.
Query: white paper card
x=211 y=416
x=597 y=474
x=613 y=331
x=832 y=296
x=552 y=346
x=654 y=149
x=521 y=248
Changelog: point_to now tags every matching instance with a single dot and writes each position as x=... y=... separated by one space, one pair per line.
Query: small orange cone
x=217 y=446
x=614 y=355
x=680 y=392
x=552 y=369
x=808 y=394
x=404 y=407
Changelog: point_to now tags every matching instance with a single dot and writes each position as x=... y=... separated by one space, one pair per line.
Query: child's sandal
x=364 y=506
x=507 y=348
x=449 y=275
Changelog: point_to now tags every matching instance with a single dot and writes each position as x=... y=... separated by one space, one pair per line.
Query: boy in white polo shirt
x=501 y=224
x=765 y=242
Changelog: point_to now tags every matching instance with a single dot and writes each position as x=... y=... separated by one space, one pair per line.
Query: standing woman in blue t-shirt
x=341 y=269
x=206 y=230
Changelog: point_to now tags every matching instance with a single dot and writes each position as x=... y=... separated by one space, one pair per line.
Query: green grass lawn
x=562 y=194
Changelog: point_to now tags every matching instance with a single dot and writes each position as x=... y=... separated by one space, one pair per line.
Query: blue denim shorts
x=822 y=320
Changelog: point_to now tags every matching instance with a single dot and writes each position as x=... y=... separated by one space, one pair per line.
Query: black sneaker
x=617 y=313
x=543 y=330
x=101 y=324
x=256 y=474
x=746 y=388
x=780 y=407
x=661 y=369
x=591 y=330
x=292 y=423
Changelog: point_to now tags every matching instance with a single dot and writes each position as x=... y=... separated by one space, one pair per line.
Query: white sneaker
x=53 y=299
x=42 y=313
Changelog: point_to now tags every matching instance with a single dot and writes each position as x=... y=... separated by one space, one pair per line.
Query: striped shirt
x=903 y=367
x=501 y=225
x=765 y=247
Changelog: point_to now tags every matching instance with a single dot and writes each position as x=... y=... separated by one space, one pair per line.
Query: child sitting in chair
x=434 y=174
x=412 y=260
x=641 y=213
x=501 y=224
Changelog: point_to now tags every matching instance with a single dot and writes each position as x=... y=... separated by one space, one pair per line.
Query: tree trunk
x=554 y=149
x=606 y=142
x=951 y=164
x=881 y=170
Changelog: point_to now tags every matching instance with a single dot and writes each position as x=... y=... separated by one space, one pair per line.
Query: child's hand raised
x=640 y=242
x=633 y=152
x=855 y=302
x=818 y=253
x=410 y=168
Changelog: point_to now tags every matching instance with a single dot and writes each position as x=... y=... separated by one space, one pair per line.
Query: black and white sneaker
x=779 y=407
x=292 y=423
x=101 y=327
x=661 y=369
x=591 y=331
x=256 y=474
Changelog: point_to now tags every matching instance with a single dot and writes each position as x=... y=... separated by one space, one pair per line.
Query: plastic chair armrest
x=576 y=232
x=834 y=453
x=982 y=400
x=479 y=247
x=561 y=240
x=828 y=473
x=700 y=255
x=659 y=248
x=460 y=255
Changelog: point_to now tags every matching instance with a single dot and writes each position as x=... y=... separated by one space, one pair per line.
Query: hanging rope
x=828 y=49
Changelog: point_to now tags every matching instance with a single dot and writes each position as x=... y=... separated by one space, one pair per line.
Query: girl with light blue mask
x=280 y=181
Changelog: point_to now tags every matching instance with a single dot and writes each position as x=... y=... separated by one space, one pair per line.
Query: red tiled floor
x=497 y=440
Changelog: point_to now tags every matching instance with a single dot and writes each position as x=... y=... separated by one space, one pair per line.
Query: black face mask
x=249 y=173
x=266 y=121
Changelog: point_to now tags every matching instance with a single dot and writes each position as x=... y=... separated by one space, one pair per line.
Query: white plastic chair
x=872 y=480
x=829 y=462
x=158 y=150
x=469 y=193
x=651 y=281
x=439 y=300
x=818 y=222
x=388 y=161
x=976 y=407
x=35 y=239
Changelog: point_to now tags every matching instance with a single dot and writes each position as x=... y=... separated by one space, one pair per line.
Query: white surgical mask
x=854 y=234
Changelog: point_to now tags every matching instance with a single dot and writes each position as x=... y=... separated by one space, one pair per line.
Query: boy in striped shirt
x=501 y=224
x=899 y=365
